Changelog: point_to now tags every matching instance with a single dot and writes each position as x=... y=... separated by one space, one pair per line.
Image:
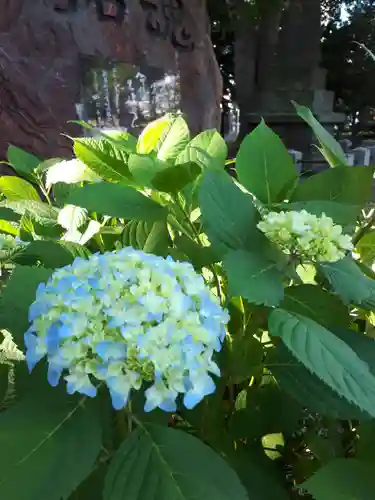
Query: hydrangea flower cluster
x=304 y=234
x=124 y=318
x=7 y=243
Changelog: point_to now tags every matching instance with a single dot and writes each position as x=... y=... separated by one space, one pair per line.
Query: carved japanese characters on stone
x=167 y=19
x=112 y=10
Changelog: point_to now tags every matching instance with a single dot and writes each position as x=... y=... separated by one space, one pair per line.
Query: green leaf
x=256 y=471
x=253 y=277
x=151 y=136
x=143 y=168
x=62 y=191
x=92 y=487
x=229 y=215
x=268 y=410
x=173 y=179
x=121 y=139
x=174 y=139
x=150 y=237
x=17 y=189
x=23 y=163
x=199 y=256
x=51 y=254
x=317 y=304
x=331 y=149
x=341 y=213
x=158 y=239
x=41 y=212
x=16 y=298
x=4 y=381
x=167 y=135
x=365 y=447
x=103 y=158
x=351 y=185
x=306 y=388
x=117 y=200
x=46 y=458
x=366 y=248
x=326 y=355
x=264 y=165
x=8 y=228
x=342 y=479
x=348 y=281
x=163 y=463
x=243 y=358
x=8 y=215
x=207 y=149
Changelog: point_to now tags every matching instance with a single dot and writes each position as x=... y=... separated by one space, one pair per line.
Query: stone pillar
x=296 y=76
x=361 y=156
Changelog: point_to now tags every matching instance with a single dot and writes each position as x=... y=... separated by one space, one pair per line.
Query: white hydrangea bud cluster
x=306 y=235
x=125 y=318
x=7 y=244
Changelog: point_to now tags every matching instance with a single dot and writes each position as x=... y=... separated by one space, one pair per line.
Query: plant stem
x=130 y=417
x=199 y=241
x=364 y=230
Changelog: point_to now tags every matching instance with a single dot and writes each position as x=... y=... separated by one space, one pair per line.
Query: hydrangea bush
x=172 y=332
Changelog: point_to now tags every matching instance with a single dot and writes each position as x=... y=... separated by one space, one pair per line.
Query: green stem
x=199 y=241
x=130 y=417
x=364 y=230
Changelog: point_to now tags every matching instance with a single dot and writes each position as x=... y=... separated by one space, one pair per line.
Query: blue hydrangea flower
x=124 y=318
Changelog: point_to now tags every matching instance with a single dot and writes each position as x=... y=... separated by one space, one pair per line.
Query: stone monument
x=117 y=63
x=294 y=73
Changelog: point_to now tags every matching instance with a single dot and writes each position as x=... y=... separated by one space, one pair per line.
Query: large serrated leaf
x=167 y=135
x=351 y=185
x=327 y=356
x=103 y=158
x=348 y=281
x=229 y=215
x=117 y=200
x=16 y=298
x=41 y=455
x=198 y=255
x=173 y=179
x=342 y=479
x=174 y=139
x=253 y=277
x=317 y=304
x=162 y=463
x=152 y=134
x=306 y=388
x=150 y=237
x=40 y=211
x=264 y=165
x=17 y=189
x=208 y=149
x=143 y=167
